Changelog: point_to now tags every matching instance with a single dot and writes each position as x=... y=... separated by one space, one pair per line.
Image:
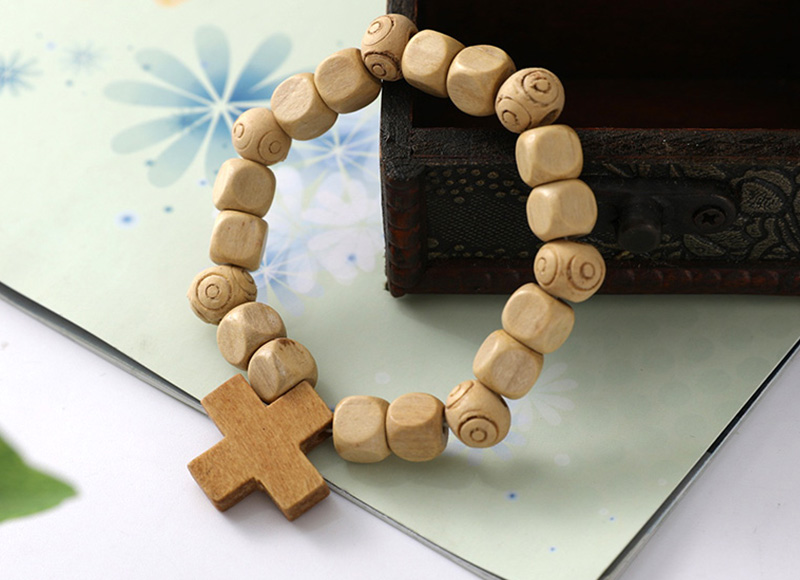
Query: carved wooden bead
x=278 y=366
x=474 y=77
x=536 y=319
x=344 y=83
x=238 y=238
x=529 y=98
x=359 y=429
x=478 y=416
x=548 y=154
x=244 y=185
x=300 y=110
x=427 y=59
x=560 y=209
x=415 y=427
x=257 y=136
x=569 y=270
x=383 y=44
x=244 y=329
x=507 y=366
x=217 y=290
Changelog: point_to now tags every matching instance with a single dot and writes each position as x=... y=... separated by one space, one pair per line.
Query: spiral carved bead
x=257 y=136
x=383 y=45
x=529 y=98
x=478 y=416
x=569 y=270
x=217 y=290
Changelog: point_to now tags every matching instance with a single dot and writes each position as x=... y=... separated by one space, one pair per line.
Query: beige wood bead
x=264 y=447
x=569 y=270
x=475 y=76
x=257 y=136
x=359 y=429
x=278 y=366
x=344 y=83
x=478 y=416
x=244 y=185
x=245 y=328
x=536 y=319
x=383 y=44
x=427 y=59
x=415 y=427
x=238 y=238
x=507 y=366
x=217 y=290
x=300 y=110
x=529 y=98
x=560 y=209
x=548 y=154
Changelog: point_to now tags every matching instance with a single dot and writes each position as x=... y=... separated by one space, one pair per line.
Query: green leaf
x=24 y=490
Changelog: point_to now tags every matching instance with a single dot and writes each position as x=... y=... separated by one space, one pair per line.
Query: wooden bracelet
x=264 y=446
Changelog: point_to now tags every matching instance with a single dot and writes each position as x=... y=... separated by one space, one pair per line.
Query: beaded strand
x=480 y=80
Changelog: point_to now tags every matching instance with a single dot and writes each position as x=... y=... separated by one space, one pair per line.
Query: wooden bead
x=278 y=366
x=238 y=238
x=344 y=83
x=536 y=319
x=383 y=44
x=299 y=109
x=476 y=415
x=244 y=185
x=244 y=329
x=359 y=429
x=264 y=447
x=548 y=154
x=561 y=209
x=257 y=136
x=569 y=270
x=415 y=427
x=216 y=291
x=529 y=98
x=507 y=366
x=474 y=77
x=427 y=59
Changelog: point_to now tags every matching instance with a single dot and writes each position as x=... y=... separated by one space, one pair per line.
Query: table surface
x=124 y=446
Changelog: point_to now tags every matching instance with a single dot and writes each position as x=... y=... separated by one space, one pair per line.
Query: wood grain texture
x=475 y=76
x=279 y=365
x=536 y=319
x=257 y=136
x=244 y=185
x=263 y=448
x=507 y=366
x=217 y=290
x=238 y=239
x=247 y=328
x=426 y=60
x=561 y=209
x=550 y=153
x=359 y=429
x=415 y=427
x=344 y=83
x=299 y=108
x=478 y=416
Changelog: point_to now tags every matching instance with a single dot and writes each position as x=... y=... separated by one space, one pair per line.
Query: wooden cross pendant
x=264 y=447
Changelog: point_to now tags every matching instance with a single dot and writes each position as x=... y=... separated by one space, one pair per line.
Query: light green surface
x=618 y=417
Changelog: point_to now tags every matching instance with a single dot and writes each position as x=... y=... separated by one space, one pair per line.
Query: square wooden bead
x=359 y=429
x=507 y=366
x=475 y=76
x=244 y=185
x=238 y=238
x=426 y=60
x=299 y=108
x=245 y=329
x=415 y=427
x=550 y=153
x=561 y=209
x=536 y=319
x=278 y=366
x=344 y=83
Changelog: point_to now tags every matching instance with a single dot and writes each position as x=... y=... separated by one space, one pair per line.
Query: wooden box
x=689 y=115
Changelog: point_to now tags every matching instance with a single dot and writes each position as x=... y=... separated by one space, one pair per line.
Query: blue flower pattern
x=16 y=73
